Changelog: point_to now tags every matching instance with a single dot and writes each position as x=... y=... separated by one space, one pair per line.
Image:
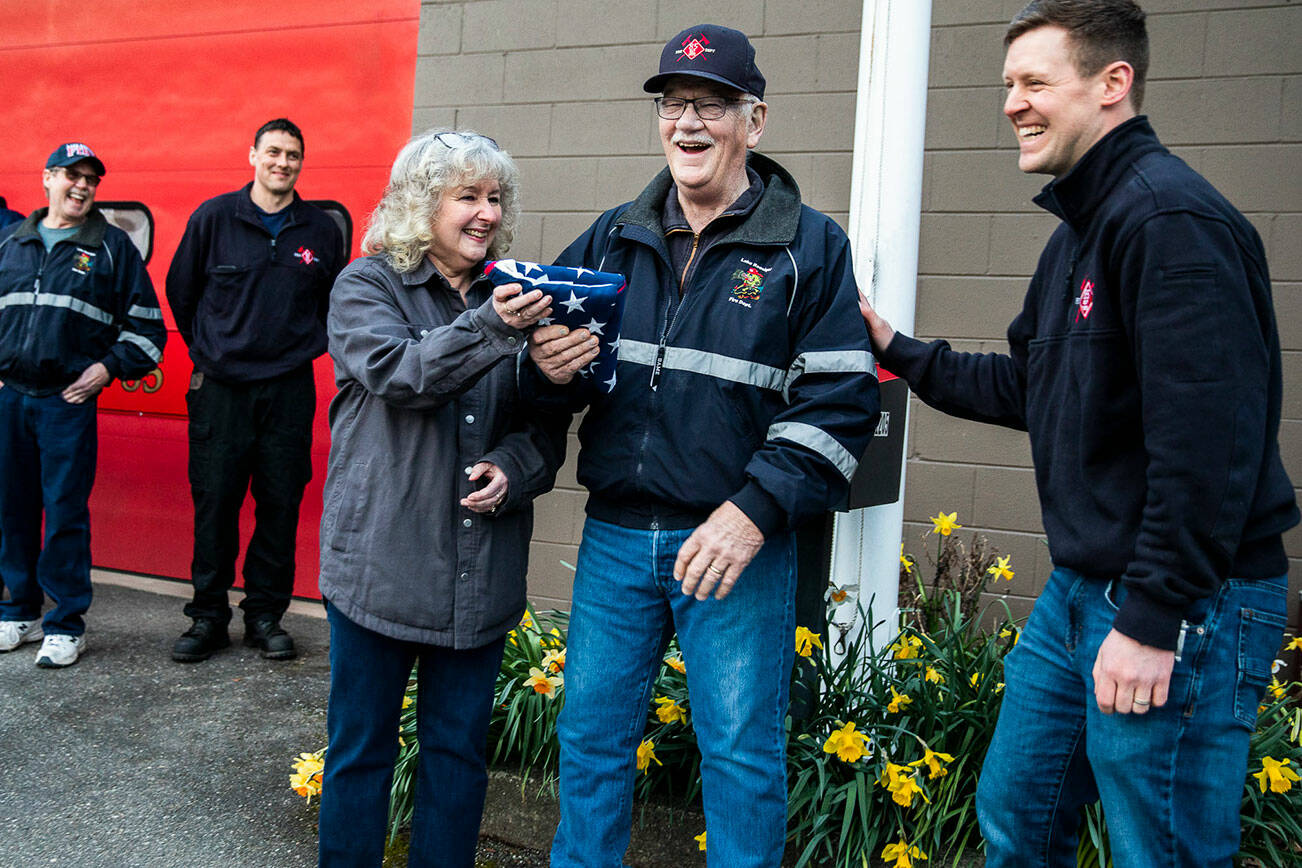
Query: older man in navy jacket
x=744 y=395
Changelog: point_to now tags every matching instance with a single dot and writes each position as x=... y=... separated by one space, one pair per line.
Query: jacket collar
x=1078 y=194
x=89 y=234
x=773 y=220
x=247 y=211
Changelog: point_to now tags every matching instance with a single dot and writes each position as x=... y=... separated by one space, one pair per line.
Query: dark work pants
x=48 y=467
x=248 y=437
x=454 y=703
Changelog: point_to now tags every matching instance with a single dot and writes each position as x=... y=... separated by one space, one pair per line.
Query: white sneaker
x=59 y=650
x=15 y=633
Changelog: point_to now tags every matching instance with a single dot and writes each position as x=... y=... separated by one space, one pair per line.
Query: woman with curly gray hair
x=433 y=468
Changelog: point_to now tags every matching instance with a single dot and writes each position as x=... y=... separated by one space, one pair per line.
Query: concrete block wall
x=558 y=84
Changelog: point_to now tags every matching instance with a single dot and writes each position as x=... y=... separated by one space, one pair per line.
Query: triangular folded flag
x=581 y=298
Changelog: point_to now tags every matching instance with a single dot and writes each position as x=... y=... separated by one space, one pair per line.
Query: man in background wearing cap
x=77 y=309
x=249 y=285
x=745 y=395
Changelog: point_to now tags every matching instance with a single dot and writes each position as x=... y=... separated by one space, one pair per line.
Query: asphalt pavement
x=129 y=759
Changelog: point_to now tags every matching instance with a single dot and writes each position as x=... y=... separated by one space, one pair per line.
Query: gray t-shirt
x=51 y=237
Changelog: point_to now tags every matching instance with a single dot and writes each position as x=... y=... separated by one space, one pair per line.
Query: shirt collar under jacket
x=1077 y=195
x=675 y=219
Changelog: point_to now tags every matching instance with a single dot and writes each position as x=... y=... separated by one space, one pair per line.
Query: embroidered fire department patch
x=306 y=255
x=750 y=283
x=83 y=261
x=1085 y=300
x=694 y=47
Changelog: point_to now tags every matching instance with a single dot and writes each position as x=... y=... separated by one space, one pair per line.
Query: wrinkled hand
x=1129 y=677
x=492 y=495
x=717 y=552
x=520 y=310
x=879 y=330
x=88 y=385
x=559 y=353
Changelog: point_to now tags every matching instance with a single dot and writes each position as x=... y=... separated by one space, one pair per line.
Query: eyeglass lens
x=707 y=108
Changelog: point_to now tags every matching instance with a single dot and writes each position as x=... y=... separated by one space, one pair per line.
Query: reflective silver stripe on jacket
x=145 y=312
x=819 y=441
x=750 y=373
x=49 y=299
x=146 y=345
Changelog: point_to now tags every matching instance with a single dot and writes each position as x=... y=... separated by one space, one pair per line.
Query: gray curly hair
x=401 y=226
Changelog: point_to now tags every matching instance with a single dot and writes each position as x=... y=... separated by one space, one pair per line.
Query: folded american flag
x=581 y=298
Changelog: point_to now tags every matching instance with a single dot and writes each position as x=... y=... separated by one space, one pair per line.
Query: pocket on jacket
x=1260 y=634
x=345 y=508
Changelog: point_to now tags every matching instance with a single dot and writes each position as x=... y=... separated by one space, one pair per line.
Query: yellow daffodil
x=526 y=620
x=906 y=561
x=898 y=700
x=510 y=637
x=934 y=761
x=934 y=676
x=670 y=711
x=1000 y=570
x=848 y=744
x=907 y=647
x=543 y=683
x=999 y=687
x=646 y=754
x=1276 y=774
x=1011 y=631
x=554 y=661
x=700 y=841
x=306 y=780
x=1275 y=689
x=903 y=853
x=1295 y=645
x=677 y=664
x=902 y=784
x=975 y=680
x=945 y=524
x=406 y=702
x=807 y=641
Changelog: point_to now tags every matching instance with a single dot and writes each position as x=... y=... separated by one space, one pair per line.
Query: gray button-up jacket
x=427 y=388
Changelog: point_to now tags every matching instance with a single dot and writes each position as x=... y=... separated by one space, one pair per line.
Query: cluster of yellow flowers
x=306 y=779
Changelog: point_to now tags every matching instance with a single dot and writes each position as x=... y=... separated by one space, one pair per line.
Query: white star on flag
x=576 y=300
x=593 y=326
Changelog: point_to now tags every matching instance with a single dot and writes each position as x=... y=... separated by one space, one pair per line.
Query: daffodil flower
x=700 y=841
x=906 y=561
x=945 y=524
x=646 y=754
x=975 y=680
x=677 y=664
x=306 y=780
x=902 y=784
x=543 y=683
x=554 y=661
x=1295 y=645
x=807 y=641
x=1011 y=631
x=898 y=700
x=907 y=647
x=670 y=711
x=838 y=594
x=526 y=620
x=903 y=853
x=848 y=744
x=406 y=702
x=1000 y=570
x=934 y=676
x=1275 y=689
x=1276 y=774
x=934 y=761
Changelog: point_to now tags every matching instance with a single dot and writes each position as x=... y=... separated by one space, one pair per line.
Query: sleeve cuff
x=504 y=338
x=1147 y=621
x=761 y=509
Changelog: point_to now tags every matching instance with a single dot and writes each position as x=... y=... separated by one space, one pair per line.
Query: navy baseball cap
x=711 y=52
x=71 y=153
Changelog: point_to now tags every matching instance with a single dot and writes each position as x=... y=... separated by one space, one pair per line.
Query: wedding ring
x=712 y=568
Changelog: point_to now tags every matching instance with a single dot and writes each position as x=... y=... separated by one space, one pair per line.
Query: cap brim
x=656 y=83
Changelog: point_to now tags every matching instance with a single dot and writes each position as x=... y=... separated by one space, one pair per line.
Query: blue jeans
x=368 y=676
x=1170 y=780
x=739 y=653
x=48 y=467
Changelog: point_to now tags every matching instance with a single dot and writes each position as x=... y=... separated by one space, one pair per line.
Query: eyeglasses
x=452 y=141
x=707 y=108
x=73 y=176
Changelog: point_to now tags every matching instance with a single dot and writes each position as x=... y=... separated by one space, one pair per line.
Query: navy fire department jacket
x=250 y=306
x=88 y=300
x=1145 y=365
x=756 y=385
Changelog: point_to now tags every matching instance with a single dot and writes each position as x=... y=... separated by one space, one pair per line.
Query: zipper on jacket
x=682 y=278
x=273 y=248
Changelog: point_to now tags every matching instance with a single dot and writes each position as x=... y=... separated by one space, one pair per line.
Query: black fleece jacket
x=1145 y=365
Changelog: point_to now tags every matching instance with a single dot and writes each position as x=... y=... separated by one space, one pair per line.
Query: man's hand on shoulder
x=714 y=555
x=879 y=330
x=559 y=352
x=1130 y=677
x=88 y=385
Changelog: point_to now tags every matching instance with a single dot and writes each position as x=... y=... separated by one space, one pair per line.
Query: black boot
x=204 y=637
x=267 y=634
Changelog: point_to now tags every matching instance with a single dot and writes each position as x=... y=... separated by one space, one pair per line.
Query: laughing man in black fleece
x=1145 y=366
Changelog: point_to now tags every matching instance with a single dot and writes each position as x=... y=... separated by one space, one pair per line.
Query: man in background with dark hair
x=1145 y=365
x=7 y=214
x=249 y=286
